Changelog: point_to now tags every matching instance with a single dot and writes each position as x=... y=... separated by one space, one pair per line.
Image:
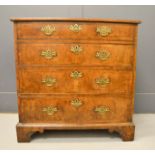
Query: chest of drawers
x=75 y=74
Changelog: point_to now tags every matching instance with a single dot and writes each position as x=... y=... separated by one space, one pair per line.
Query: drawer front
x=72 y=30
x=59 y=109
x=74 y=80
x=76 y=54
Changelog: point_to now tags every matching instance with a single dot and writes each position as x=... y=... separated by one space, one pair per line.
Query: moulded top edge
x=76 y=19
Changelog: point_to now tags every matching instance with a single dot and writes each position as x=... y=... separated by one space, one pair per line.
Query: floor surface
x=144 y=136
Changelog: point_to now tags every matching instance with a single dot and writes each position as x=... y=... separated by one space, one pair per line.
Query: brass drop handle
x=48 y=30
x=102 y=81
x=102 y=55
x=76 y=49
x=49 y=81
x=102 y=110
x=76 y=102
x=76 y=74
x=103 y=30
x=75 y=28
x=48 y=54
x=50 y=110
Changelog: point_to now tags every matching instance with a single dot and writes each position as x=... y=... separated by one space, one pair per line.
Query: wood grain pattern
x=34 y=96
x=120 y=55
x=26 y=130
x=88 y=31
x=31 y=109
x=31 y=81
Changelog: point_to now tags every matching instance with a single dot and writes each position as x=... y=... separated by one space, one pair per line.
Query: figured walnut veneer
x=75 y=74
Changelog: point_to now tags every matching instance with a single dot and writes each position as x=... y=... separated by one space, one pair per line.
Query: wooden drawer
x=68 y=30
x=74 y=80
x=61 y=109
x=76 y=54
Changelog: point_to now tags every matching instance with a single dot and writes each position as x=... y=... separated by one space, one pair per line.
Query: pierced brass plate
x=76 y=49
x=48 y=54
x=50 y=110
x=102 y=110
x=49 y=81
x=76 y=102
x=48 y=30
x=75 y=28
x=103 y=55
x=76 y=74
x=102 y=81
x=103 y=31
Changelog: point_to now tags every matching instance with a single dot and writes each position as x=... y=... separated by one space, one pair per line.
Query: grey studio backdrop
x=145 y=82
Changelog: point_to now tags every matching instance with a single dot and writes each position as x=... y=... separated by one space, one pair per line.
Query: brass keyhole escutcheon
x=76 y=102
x=76 y=49
x=76 y=74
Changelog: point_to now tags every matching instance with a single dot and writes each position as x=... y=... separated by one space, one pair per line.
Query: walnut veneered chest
x=75 y=74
